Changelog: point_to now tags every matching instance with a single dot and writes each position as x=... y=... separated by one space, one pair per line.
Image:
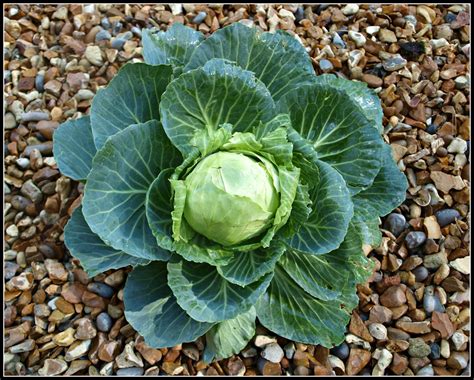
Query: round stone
x=415 y=239
x=395 y=223
x=341 y=351
x=447 y=216
x=101 y=289
x=104 y=322
x=421 y=273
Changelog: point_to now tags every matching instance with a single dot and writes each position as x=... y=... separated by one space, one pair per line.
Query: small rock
x=357 y=361
x=415 y=239
x=394 y=63
x=374 y=82
x=77 y=350
x=268 y=368
x=435 y=351
x=462 y=265
x=133 y=371
x=104 y=322
x=325 y=65
x=447 y=216
x=108 y=351
x=393 y=296
x=431 y=301
x=191 y=351
x=458 y=360
x=373 y=29
x=457 y=145
x=432 y=227
x=199 y=18
x=438 y=43
x=128 y=358
x=418 y=348
x=273 y=353
x=395 y=223
x=338 y=41
x=151 y=355
x=26 y=346
x=434 y=261
x=414 y=327
x=12 y=231
x=386 y=35
x=446 y=182
x=458 y=339
x=94 y=55
x=358 y=38
x=56 y=270
x=236 y=366
x=341 y=351
x=357 y=327
x=378 y=331
x=290 y=350
x=65 y=338
x=52 y=367
x=350 y=9
x=426 y=371
x=31 y=191
x=263 y=340
x=101 y=289
x=445 y=349
x=85 y=329
x=399 y=364
x=103 y=35
x=384 y=359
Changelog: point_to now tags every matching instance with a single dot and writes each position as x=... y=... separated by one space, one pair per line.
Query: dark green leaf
x=115 y=193
x=215 y=94
x=132 y=97
x=151 y=309
x=388 y=190
x=367 y=100
x=229 y=337
x=74 y=148
x=277 y=59
x=207 y=296
x=290 y=312
x=95 y=256
x=331 y=209
x=338 y=131
x=247 y=267
x=173 y=47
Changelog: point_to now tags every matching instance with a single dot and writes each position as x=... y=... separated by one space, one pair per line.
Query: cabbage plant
x=236 y=182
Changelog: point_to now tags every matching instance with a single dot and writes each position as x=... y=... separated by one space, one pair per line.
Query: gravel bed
x=413 y=316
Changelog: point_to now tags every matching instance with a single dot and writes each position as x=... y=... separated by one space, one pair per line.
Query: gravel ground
x=413 y=316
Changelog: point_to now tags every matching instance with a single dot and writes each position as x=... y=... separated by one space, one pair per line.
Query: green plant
x=236 y=182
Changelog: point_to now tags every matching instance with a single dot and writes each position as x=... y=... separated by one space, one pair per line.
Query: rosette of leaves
x=236 y=183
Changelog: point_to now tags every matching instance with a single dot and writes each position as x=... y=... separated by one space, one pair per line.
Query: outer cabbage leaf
x=207 y=97
x=277 y=59
x=173 y=47
x=289 y=311
x=338 y=131
x=131 y=97
x=368 y=226
x=74 y=148
x=115 y=193
x=388 y=190
x=331 y=209
x=367 y=100
x=95 y=256
x=207 y=296
x=247 y=267
x=229 y=337
x=151 y=309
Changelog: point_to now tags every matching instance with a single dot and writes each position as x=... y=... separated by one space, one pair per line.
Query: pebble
x=426 y=371
x=117 y=43
x=415 y=239
x=103 y=35
x=435 y=260
x=199 y=17
x=357 y=360
x=12 y=231
x=459 y=339
x=325 y=65
x=52 y=367
x=101 y=289
x=393 y=296
x=386 y=35
x=431 y=301
x=378 y=331
x=447 y=216
x=395 y=223
x=435 y=351
x=26 y=346
x=350 y=9
x=105 y=23
x=445 y=349
x=94 y=55
x=34 y=116
x=461 y=82
x=438 y=43
x=358 y=38
x=458 y=145
x=31 y=191
x=418 y=348
x=395 y=63
x=176 y=9
x=77 y=350
x=384 y=359
x=263 y=340
x=133 y=371
x=462 y=265
x=458 y=360
x=9 y=121
x=104 y=322
x=65 y=338
x=273 y=353
x=85 y=329
x=338 y=41
x=341 y=351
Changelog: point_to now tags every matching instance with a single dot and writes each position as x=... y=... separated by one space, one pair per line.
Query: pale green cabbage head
x=230 y=197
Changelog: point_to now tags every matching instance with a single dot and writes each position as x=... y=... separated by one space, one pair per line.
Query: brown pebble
x=442 y=323
x=372 y=80
x=357 y=361
x=392 y=297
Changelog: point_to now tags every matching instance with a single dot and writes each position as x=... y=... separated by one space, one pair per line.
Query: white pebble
x=176 y=9
x=439 y=43
x=350 y=9
x=462 y=265
x=444 y=349
x=12 y=231
x=459 y=339
x=457 y=146
x=378 y=331
x=263 y=340
x=358 y=38
x=372 y=29
x=273 y=353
